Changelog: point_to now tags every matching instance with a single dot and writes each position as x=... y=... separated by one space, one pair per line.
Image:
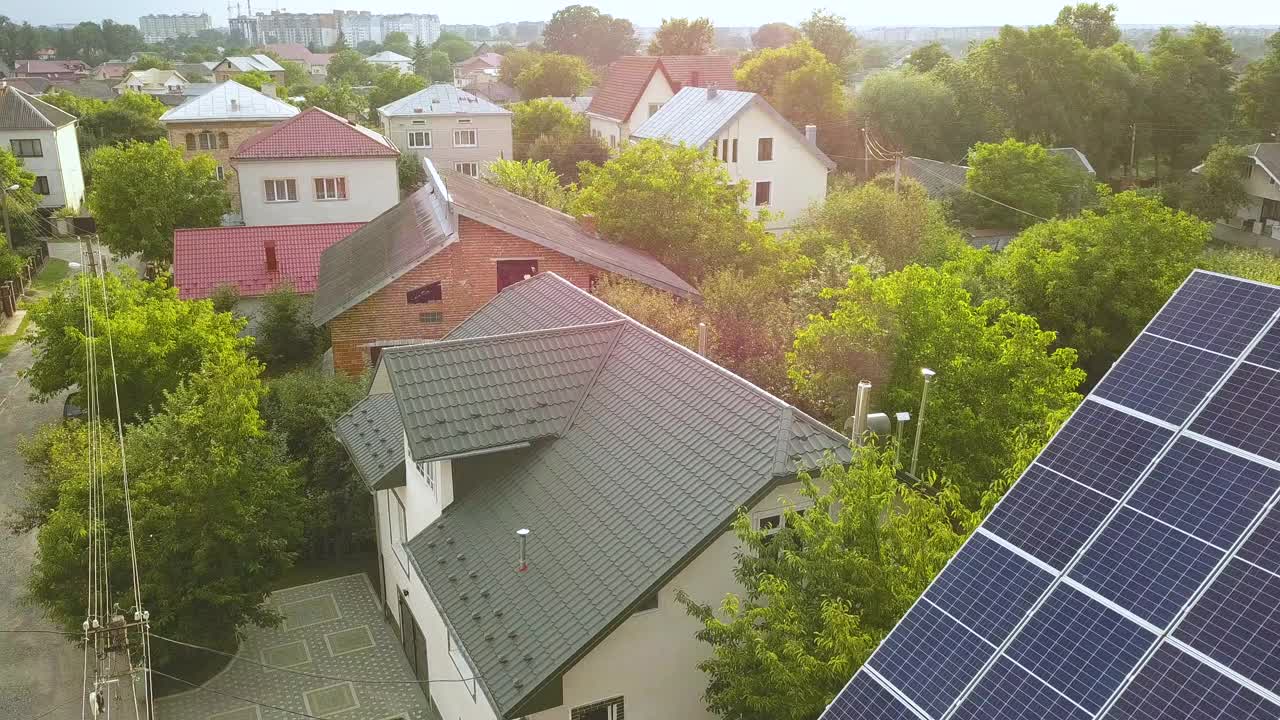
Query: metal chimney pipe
x=861 y=406
x=702 y=339
x=903 y=418
x=523 y=534
x=924 y=398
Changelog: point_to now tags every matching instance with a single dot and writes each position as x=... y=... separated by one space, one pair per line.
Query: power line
x=55 y=708
x=188 y=683
x=967 y=189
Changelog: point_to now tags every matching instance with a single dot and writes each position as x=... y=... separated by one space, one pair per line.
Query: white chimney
x=811 y=134
x=712 y=89
x=861 y=406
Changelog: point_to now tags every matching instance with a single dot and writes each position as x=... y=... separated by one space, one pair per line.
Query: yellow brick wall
x=237 y=132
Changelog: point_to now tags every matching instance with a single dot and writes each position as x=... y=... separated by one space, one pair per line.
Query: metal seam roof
x=373 y=435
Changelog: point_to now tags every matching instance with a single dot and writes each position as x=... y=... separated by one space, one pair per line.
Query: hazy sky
x=651 y=12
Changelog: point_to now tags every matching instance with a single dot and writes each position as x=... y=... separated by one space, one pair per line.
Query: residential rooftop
x=315 y=133
x=230 y=101
x=252 y=259
x=627 y=77
x=20 y=111
x=441 y=99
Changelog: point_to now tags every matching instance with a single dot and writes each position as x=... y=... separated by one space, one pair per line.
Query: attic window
x=610 y=709
x=425 y=294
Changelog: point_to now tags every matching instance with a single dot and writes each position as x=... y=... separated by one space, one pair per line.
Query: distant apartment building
x=359 y=26
x=416 y=25
x=158 y=28
x=286 y=27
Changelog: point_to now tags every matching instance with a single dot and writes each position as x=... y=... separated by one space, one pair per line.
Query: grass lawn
x=7 y=342
x=55 y=270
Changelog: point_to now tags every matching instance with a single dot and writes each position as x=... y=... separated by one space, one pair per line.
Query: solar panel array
x=1133 y=571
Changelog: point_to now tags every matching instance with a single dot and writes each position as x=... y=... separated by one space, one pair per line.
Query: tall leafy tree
x=1191 y=100
x=682 y=36
x=1097 y=279
x=532 y=119
x=799 y=81
x=916 y=112
x=348 y=67
x=535 y=180
x=338 y=99
x=1217 y=190
x=821 y=593
x=1093 y=23
x=22 y=203
x=998 y=371
x=142 y=191
x=927 y=57
x=554 y=74
x=514 y=63
x=455 y=46
x=830 y=35
x=585 y=31
x=774 y=35
x=398 y=42
x=391 y=85
x=286 y=339
x=569 y=150
x=1259 y=89
x=1015 y=184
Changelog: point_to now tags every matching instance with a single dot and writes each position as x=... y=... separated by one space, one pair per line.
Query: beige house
x=454 y=128
x=153 y=82
x=218 y=121
x=234 y=65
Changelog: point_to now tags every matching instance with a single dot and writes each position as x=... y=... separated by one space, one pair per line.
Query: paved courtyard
x=332 y=627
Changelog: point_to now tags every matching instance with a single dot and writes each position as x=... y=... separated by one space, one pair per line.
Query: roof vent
x=712 y=89
x=523 y=534
x=235 y=104
x=418 y=110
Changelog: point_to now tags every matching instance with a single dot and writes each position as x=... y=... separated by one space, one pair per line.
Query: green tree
x=1097 y=279
x=998 y=372
x=676 y=203
x=514 y=63
x=653 y=308
x=927 y=57
x=340 y=100
x=1217 y=189
x=22 y=203
x=286 y=339
x=224 y=298
x=142 y=191
x=1259 y=89
x=824 y=590
x=131 y=116
x=830 y=35
x=1017 y=175
x=798 y=80
x=340 y=44
x=254 y=79
x=682 y=36
x=916 y=112
x=1093 y=23
x=530 y=179
x=532 y=119
x=149 y=61
x=349 y=67
x=554 y=74
x=398 y=42
x=158 y=340
x=300 y=408
x=774 y=35
x=295 y=73
x=439 y=69
x=391 y=85
x=1191 y=91
x=411 y=173
x=206 y=463
x=455 y=46
x=569 y=150
x=585 y=31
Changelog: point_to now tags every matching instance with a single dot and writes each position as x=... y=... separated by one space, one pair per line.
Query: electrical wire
x=56 y=708
x=966 y=188
x=188 y=683
x=307 y=674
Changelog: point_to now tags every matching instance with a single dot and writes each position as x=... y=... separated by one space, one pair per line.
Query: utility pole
x=1133 y=146
x=924 y=398
x=866 y=157
x=897 y=171
x=4 y=209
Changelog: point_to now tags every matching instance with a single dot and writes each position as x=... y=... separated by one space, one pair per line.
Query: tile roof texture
x=230 y=101
x=205 y=259
x=1076 y=158
x=939 y=179
x=481 y=61
x=47 y=67
x=627 y=77
x=315 y=133
x=658 y=454
x=696 y=115
x=374 y=437
x=1268 y=156
x=421 y=225
x=20 y=111
x=441 y=99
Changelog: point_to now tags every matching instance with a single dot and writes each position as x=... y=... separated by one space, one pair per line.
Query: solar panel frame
x=1163 y=379
x=1241 y=413
x=1217 y=331
x=866 y=699
x=1215 y=624
x=1085 y=451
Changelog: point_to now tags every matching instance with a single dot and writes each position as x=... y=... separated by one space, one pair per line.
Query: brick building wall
x=468 y=274
x=237 y=132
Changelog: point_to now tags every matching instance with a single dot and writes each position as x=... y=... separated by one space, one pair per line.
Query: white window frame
x=414 y=145
x=271 y=190
x=208 y=135
x=397 y=523
x=321 y=187
x=475 y=139
x=614 y=705
x=428 y=472
x=463 y=166
x=459 y=658
x=780 y=513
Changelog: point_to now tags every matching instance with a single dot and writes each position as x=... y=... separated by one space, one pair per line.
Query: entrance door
x=511 y=272
x=414 y=644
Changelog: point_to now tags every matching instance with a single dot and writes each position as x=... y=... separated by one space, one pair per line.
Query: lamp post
x=4 y=208
x=924 y=398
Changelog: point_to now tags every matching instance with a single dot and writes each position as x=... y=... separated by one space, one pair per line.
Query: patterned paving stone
x=333 y=628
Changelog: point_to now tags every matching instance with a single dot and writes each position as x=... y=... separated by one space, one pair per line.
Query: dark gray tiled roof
x=1268 y=156
x=374 y=437
x=534 y=304
x=460 y=396
x=1076 y=158
x=662 y=451
x=20 y=111
x=939 y=179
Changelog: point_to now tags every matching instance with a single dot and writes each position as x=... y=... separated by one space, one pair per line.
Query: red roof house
x=51 y=69
x=636 y=86
x=253 y=260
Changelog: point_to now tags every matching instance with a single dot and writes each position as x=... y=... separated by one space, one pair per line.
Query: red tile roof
x=48 y=67
x=628 y=76
x=205 y=259
x=315 y=133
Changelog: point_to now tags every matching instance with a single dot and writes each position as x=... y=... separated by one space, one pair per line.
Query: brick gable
x=467 y=272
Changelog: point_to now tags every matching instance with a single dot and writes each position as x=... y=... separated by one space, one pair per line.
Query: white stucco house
x=316 y=167
x=784 y=170
x=636 y=87
x=44 y=140
x=546 y=479
x=153 y=81
x=454 y=128
x=1261 y=214
x=394 y=60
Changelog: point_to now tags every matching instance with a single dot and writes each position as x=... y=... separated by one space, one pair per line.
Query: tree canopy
x=830 y=35
x=927 y=57
x=798 y=80
x=1217 y=189
x=142 y=191
x=1191 y=79
x=1013 y=174
x=531 y=179
x=453 y=45
x=1093 y=23
x=585 y=31
x=1259 y=89
x=915 y=111
x=774 y=35
x=554 y=74
x=682 y=36
x=348 y=67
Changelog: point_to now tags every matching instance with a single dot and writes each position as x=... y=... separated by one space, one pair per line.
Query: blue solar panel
x=1175 y=686
x=1145 y=566
x=1216 y=313
x=1104 y=448
x=1237 y=623
x=988 y=588
x=1263 y=545
x=1048 y=516
x=1245 y=412
x=1163 y=379
x=1206 y=491
x=1267 y=351
x=866 y=699
x=930 y=658
x=1080 y=647
x=1007 y=692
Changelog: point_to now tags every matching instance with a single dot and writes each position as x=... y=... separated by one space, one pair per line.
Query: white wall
x=372 y=187
x=493 y=137
x=610 y=131
x=651 y=659
x=798 y=178
x=657 y=91
x=59 y=162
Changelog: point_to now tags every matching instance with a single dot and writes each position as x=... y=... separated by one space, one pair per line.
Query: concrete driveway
x=333 y=628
